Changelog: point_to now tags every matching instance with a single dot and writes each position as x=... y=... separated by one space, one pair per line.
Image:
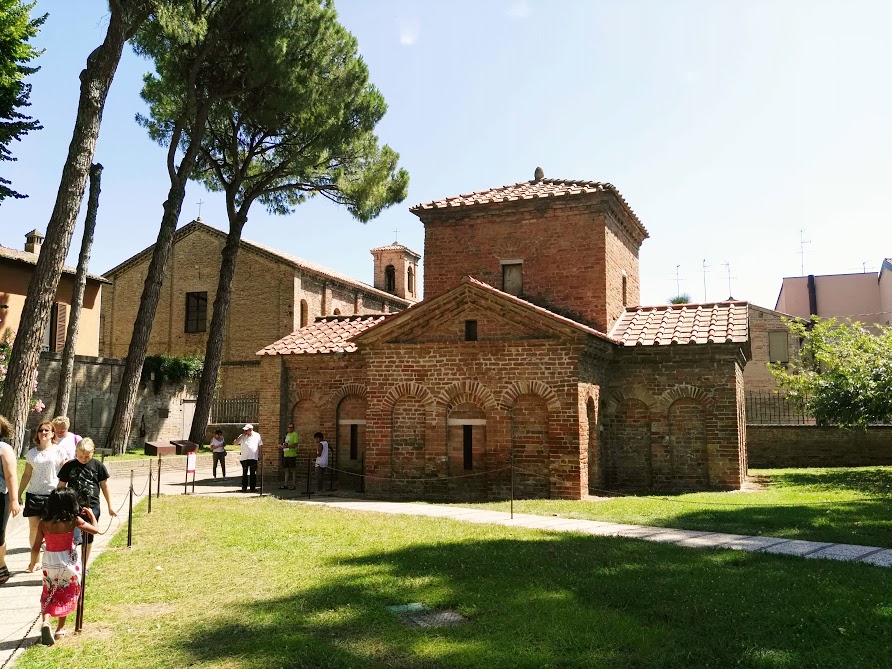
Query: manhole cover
x=442 y=618
x=419 y=615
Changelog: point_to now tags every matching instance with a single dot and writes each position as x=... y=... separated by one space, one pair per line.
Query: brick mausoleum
x=529 y=340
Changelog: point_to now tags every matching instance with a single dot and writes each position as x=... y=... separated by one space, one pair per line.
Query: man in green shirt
x=289 y=460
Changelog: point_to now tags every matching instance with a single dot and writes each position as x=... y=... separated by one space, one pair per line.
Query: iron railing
x=235 y=409
x=772 y=408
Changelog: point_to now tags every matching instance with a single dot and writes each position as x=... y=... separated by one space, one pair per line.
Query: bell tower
x=396 y=271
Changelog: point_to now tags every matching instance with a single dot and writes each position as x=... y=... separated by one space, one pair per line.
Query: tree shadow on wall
x=548 y=600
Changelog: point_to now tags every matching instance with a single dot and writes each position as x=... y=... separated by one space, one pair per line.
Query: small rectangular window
x=468 y=437
x=512 y=278
x=354 y=441
x=196 y=312
x=470 y=330
x=778 y=346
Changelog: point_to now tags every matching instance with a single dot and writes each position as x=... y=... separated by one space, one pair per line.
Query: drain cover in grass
x=441 y=618
x=407 y=608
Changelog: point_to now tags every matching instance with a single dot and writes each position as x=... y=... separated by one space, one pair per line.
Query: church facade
x=529 y=356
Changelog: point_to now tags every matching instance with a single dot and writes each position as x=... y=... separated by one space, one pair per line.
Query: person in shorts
x=41 y=476
x=87 y=477
x=321 y=459
x=289 y=460
x=218 y=448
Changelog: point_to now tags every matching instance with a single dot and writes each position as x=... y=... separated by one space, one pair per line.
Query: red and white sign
x=191 y=459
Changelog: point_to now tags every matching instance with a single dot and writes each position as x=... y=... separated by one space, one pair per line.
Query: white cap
x=247 y=426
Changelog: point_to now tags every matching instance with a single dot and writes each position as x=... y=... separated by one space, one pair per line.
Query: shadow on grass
x=867 y=480
x=547 y=600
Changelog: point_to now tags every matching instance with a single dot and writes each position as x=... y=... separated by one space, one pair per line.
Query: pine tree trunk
x=66 y=373
x=95 y=80
x=213 y=355
x=122 y=420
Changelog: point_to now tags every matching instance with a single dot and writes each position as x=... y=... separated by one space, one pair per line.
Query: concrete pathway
x=881 y=557
x=20 y=596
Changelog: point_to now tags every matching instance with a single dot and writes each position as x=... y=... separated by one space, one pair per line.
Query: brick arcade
x=530 y=342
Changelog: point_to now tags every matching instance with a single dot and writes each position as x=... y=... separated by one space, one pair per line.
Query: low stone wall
x=813 y=446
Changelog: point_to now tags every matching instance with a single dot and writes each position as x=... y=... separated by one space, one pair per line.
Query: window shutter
x=61 y=326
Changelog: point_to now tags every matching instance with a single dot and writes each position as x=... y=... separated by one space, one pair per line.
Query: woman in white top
x=41 y=475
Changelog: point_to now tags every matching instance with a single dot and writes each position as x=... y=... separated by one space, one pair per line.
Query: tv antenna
x=802 y=242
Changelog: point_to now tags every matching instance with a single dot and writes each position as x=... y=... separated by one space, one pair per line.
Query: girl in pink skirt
x=61 y=568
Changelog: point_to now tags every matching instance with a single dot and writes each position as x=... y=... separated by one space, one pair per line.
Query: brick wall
x=756 y=376
x=573 y=254
x=163 y=416
x=672 y=418
x=813 y=446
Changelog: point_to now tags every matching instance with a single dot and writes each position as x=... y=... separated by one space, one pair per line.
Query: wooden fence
x=236 y=409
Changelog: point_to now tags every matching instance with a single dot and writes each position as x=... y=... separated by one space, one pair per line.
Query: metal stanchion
x=158 y=492
x=150 y=487
x=512 y=484
x=130 y=515
x=362 y=473
x=309 y=475
x=260 y=464
x=79 y=619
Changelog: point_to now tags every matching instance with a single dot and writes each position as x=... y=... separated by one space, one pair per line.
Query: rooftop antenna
x=727 y=266
x=705 y=267
x=199 y=203
x=802 y=242
x=677 y=280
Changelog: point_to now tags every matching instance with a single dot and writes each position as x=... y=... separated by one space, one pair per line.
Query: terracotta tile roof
x=329 y=334
x=528 y=190
x=719 y=322
x=31 y=259
x=396 y=246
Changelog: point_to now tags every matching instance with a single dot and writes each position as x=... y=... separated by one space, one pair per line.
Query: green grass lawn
x=846 y=505
x=262 y=584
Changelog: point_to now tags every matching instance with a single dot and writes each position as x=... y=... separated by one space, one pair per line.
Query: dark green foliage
x=16 y=29
x=681 y=298
x=843 y=374
x=172 y=368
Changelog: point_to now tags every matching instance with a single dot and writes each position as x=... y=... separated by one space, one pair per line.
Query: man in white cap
x=250 y=441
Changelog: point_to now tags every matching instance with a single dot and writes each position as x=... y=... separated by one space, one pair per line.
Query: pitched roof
x=530 y=190
x=719 y=322
x=328 y=334
x=31 y=259
x=454 y=294
x=396 y=246
x=267 y=251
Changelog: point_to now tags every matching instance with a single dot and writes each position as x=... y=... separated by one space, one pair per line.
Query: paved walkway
x=20 y=596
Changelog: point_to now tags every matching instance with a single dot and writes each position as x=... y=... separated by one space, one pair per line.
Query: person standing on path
x=218 y=448
x=289 y=456
x=61 y=568
x=9 y=492
x=250 y=441
x=41 y=475
x=64 y=439
x=321 y=458
x=87 y=477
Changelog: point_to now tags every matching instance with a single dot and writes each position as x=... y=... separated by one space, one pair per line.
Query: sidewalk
x=20 y=596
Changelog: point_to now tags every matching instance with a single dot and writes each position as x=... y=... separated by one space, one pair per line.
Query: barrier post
x=260 y=465
x=309 y=475
x=362 y=473
x=512 y=484
x=129 y=516
x=159 y=477
x=150 y=487
x=79 y=619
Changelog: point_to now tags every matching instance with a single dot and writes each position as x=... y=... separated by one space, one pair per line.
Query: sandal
x=60 y=634
x=4 y=574
x=46 y=635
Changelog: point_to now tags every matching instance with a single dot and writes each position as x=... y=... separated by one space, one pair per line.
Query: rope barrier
x=30 y=627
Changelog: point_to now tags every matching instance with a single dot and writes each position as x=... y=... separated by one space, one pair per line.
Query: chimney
x=33 y=242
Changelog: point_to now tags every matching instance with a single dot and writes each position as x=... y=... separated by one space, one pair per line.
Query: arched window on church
x=390 y=279
x=304 y=313
x=411 y=281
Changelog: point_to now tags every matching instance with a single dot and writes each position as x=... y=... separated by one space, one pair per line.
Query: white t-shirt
x=45 y=466
x=218 y=445
x=69 y=445
x=322 y=460
x=250 y=445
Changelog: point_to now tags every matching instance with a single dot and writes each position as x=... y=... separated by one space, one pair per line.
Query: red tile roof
x=719 y=322
x=329 y=334
x=528 y=190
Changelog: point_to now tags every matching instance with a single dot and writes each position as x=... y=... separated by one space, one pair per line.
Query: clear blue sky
x=728 y=126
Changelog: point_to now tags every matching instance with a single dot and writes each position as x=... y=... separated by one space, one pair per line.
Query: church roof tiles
x=719 y=322
x=328 y=334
